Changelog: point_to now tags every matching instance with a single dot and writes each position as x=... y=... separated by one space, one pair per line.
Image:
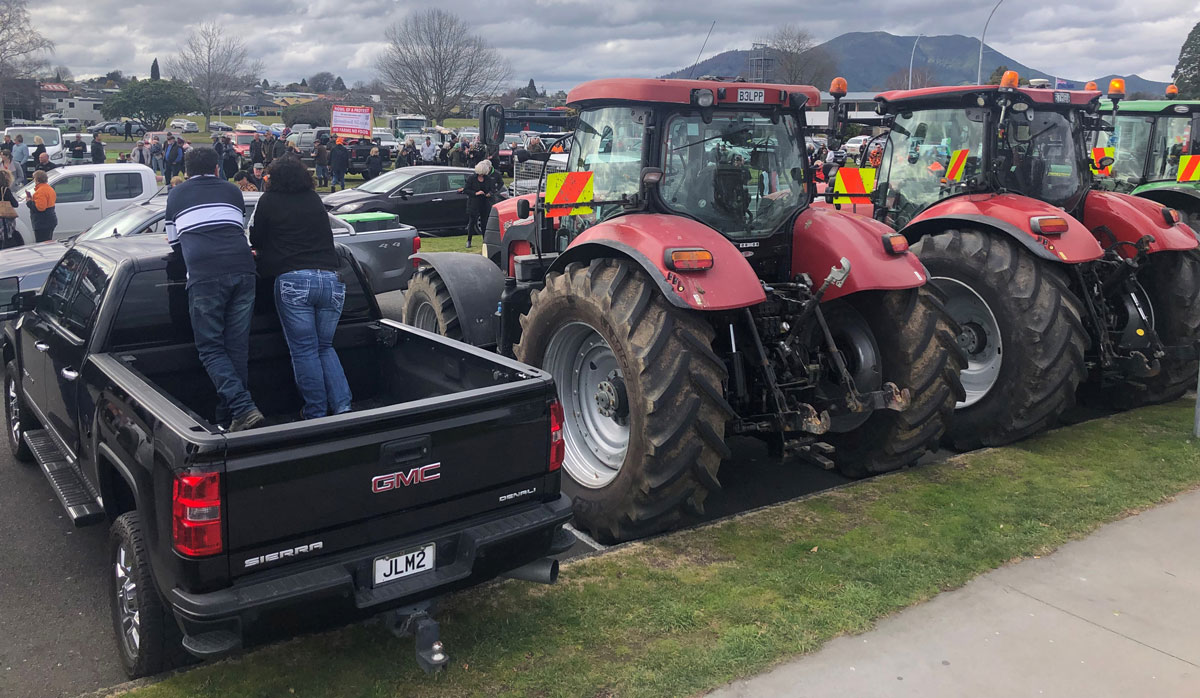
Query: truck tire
x=1020 y=327
x=148 y=639
x=17 y=418
x=1172 y=281
x=428 y=306
x=642 y=393
x=918 y=350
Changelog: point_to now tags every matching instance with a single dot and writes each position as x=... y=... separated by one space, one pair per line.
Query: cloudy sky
x=562 y=42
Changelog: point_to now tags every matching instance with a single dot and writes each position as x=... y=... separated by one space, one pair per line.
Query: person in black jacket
x=9 y=237
x=374 y=164
x=291 y=234
x=479 y=190
x=229 y=157
x=256 y=150
x=339 y=162
x=97 y=150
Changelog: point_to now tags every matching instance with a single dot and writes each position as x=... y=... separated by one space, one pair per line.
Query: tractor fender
x=1009 y=214
x=645 y=238
x=822 y=236
x=1130 y=217
x=1181 y=197
x=475 y=285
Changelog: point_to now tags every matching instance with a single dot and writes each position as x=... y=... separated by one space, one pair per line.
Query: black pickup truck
x=444 y=474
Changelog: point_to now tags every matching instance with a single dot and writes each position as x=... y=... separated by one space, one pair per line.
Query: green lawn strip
x=687 y=612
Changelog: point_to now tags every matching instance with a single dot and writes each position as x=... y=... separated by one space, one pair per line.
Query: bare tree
x=434 y=63
x=800 y=59
x=21 y=47
x=216 y=64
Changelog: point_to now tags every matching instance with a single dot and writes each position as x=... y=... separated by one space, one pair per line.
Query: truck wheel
x=428 y=306
x=916 y=349
x=148 y=639
x=1172 y=281
x=641 y=390
x=1020 y=327
x=18 y=419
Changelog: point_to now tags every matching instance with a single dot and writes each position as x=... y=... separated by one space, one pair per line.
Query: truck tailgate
x=363 y=477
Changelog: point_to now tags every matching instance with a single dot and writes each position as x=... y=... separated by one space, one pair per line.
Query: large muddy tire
x=918 y=350
x=1172 y=281
x=428 y=306
x=148 y=639
x=1021 y=329
x=641 y=391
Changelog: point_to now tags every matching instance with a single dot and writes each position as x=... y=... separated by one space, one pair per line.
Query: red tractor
x=695 y=296
x=1052 y=283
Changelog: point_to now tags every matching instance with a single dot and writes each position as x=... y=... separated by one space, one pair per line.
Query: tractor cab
x=947 y=141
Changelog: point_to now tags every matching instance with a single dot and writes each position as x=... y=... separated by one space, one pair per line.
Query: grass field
x=683 y=613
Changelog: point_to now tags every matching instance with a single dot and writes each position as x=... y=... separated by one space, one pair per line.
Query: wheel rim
x=425 y=318
x=856 y=342
x=592 y=392
x=14 y=411
x=127 y=601
x=979 y=338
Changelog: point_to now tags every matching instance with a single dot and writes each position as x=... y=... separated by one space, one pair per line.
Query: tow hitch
x=417 y=621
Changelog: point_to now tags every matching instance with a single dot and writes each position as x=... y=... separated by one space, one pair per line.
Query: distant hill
x=867 y=59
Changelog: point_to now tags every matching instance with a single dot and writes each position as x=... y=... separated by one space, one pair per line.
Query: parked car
x=211 y=529
x=300 y=127
x=386 y=139
x=87 y=193
x=52 y=137
x=64 y=124
x=853 y=146
x=184 y=125
x=219 y=126
x=117 y=128
x=424 y=196
x=51 y=115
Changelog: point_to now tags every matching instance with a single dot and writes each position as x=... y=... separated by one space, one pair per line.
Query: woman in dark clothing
x=479 y=190
x=374 y=164
x=39 y=147
x=9 y=237
x=291 y=235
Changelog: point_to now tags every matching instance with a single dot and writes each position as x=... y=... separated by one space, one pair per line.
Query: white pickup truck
x=87 y=193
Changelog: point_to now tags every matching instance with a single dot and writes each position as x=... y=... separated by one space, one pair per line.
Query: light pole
x=911 y=57
x=979 y=70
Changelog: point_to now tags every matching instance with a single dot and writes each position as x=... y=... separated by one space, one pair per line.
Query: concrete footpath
x=1116 y=614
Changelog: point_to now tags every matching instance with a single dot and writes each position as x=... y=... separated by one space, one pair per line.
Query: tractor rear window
x=931 y=154
x=1172 y=136
x=739 y=173
x=1129 y=141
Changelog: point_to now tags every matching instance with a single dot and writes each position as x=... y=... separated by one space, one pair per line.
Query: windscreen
x=919 y=152
x=50 y=136
x=245 y=140
x=1172 y=136
x=388 y=182
x=741 y=172
x=1129 y=140
x=124 y=222
x=1038 y=156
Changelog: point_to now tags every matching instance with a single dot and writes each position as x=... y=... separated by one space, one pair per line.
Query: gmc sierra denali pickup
x=444 y=474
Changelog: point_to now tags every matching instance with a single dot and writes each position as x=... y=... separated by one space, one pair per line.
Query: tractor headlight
x=703 y=98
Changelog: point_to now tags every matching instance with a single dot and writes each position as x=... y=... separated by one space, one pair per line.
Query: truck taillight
x=558 y=447
x=196 y=514
x=416 y=248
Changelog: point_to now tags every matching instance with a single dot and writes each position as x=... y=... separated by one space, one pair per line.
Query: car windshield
x=244 y=139
x=123 y=222
x=1038 y=156
x=387 y=182
x=919 y=151
x=1172 y=134
x=410 y=124
x=741 y=172
x=50 y=136
x=1128 y=140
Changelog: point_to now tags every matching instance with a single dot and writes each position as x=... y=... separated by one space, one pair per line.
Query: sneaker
x=251 y=419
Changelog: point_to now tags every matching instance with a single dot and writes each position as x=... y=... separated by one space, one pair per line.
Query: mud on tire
x=677 y=411
x=427 y=305
x=1041 y=331
x=917 y=341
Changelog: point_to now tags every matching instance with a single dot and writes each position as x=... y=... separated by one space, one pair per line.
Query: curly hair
x=289 y=175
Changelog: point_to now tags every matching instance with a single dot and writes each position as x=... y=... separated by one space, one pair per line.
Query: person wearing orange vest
x=41 y=208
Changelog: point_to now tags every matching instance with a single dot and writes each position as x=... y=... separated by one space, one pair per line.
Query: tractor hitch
x=889 y=397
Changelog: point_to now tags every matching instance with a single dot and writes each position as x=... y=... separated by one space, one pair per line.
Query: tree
x=154 y=74
x=922 y=76
x=216 y=64
x=303 y=82
x=316 y=113
x=151 y=101
x=435 y=64
x=1187 y=70
x=21 y=46
x=996 y=76
x=339 y=85
x=265 y=85
x=320 y=82
x=800 y=60
x=63 y=74
x=116 y=77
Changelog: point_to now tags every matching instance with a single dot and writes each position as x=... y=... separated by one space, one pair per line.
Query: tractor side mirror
x=651 y=176
x=522 y=208
x=1105 y=162
x=491 y=124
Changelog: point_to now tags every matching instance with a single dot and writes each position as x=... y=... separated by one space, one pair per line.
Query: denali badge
x=290 y=552
x=391 y=481
x=517 y=495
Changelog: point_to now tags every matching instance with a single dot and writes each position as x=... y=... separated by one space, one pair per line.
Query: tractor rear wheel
x=428 y=306
x=641 y=390
x=1172 y=281
x=1020 y=327
x=916 y=349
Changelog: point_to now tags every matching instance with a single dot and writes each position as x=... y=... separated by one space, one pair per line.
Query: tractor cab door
x=608 y=144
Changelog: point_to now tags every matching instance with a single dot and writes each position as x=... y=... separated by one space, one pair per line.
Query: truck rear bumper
x=467 y=555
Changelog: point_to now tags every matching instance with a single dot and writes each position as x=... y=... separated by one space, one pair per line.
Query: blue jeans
x=339 y=177
x=310 y=302
x=322 y=172
x=221 y=309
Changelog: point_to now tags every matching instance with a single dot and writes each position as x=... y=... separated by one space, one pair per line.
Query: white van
x=50 y=135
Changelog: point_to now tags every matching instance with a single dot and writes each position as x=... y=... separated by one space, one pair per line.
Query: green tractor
x=1151 y=141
